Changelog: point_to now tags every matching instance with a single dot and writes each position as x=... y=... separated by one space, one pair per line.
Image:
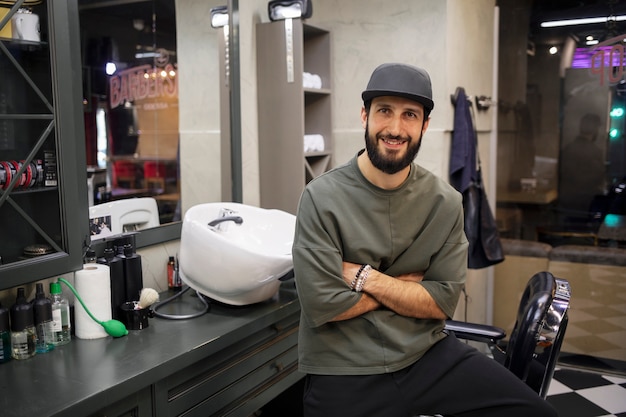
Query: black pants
x=452 y=379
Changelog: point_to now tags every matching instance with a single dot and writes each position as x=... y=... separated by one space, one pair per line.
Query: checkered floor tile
x=597 y=315
x=577 y=393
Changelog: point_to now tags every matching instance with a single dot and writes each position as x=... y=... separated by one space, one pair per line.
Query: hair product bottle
x=5 y=335
x=42 y=311
x=22 y=327
x=170 y=274
x=118 y=286
x=132 y=273
x=61 y=327
x=90 y=256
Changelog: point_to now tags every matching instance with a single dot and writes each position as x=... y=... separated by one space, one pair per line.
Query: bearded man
x=380 y=259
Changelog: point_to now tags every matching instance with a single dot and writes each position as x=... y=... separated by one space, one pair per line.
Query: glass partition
x=561 y=165
x=561 y=121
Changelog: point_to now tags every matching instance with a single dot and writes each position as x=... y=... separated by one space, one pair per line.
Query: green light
x=617 y=112
x=614 y=133
x=612 y=220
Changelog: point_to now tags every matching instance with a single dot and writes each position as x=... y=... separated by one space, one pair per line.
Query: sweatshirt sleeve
x=445 y=277
x=317 y=260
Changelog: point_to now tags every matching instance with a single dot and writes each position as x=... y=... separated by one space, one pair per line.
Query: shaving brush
x=147 y=297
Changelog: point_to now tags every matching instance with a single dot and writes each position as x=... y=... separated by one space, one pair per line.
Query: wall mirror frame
x=231 y=121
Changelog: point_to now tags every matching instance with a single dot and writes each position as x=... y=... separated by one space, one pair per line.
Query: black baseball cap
x=401 y=80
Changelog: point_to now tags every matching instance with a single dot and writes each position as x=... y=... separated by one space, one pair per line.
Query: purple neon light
x=583 y=57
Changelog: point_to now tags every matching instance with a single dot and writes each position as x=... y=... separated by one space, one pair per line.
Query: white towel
x=313 y=143
x=316 y=81
x=311 y=80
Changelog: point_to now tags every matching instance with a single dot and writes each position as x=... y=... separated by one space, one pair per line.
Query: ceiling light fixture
x=289 y=9
x=582 y=21
x=219 y=16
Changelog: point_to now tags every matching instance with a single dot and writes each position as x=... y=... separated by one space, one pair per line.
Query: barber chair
x=533 y=348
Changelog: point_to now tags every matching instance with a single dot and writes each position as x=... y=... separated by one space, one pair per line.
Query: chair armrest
x=477 y=332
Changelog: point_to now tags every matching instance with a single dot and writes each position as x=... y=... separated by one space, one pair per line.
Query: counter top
x=81 y=377
x=540 y=196
x=613 y=228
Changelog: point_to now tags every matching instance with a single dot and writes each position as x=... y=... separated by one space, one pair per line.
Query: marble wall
x=452 y=39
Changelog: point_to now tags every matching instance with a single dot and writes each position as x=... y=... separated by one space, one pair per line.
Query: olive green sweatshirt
x=416 y=227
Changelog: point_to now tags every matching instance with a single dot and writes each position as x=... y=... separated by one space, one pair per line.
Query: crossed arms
x=403 y=294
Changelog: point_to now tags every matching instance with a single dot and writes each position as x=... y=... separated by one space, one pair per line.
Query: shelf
x=316 y=165
x=317 y=153
x=41 y=189
x=288 y=111
x=21 y=42
x=142 y=159
x=316 y=91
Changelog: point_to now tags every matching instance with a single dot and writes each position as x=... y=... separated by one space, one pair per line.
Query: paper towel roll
x=93 y=284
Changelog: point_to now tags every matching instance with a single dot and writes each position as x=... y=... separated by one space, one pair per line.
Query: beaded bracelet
x=356 y=277
x=362 y=278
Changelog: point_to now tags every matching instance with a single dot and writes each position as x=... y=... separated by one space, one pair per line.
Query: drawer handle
x=279 y=366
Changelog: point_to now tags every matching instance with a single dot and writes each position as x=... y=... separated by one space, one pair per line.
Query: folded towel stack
x=311 y=80
x=313 y=143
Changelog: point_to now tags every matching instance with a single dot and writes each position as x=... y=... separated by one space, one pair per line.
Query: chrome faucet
x=225 y=215
x=236 y=219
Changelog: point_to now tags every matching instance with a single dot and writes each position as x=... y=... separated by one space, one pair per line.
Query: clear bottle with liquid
x=42 y=309
x=22 y=327
x=61 y=327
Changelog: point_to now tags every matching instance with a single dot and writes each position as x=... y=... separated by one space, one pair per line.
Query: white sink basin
x=236 y=264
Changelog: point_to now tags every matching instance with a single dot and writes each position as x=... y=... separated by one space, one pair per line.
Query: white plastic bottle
x=60 y=315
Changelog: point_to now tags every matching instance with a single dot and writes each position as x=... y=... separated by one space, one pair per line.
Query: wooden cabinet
x=294 y=104
x=42 y=155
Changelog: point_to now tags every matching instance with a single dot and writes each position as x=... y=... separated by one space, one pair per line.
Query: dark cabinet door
x=43 y=200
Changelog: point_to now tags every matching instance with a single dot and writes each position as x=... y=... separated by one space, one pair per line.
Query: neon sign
x=142 y=82
x=605 y=60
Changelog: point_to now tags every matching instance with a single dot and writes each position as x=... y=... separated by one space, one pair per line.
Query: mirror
x=130 y=92
x=211 y=115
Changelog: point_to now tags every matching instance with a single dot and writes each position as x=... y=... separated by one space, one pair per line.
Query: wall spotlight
x=219 y=16
x=289 y=9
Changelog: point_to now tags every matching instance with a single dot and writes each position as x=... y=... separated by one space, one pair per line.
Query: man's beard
x=386 y=164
